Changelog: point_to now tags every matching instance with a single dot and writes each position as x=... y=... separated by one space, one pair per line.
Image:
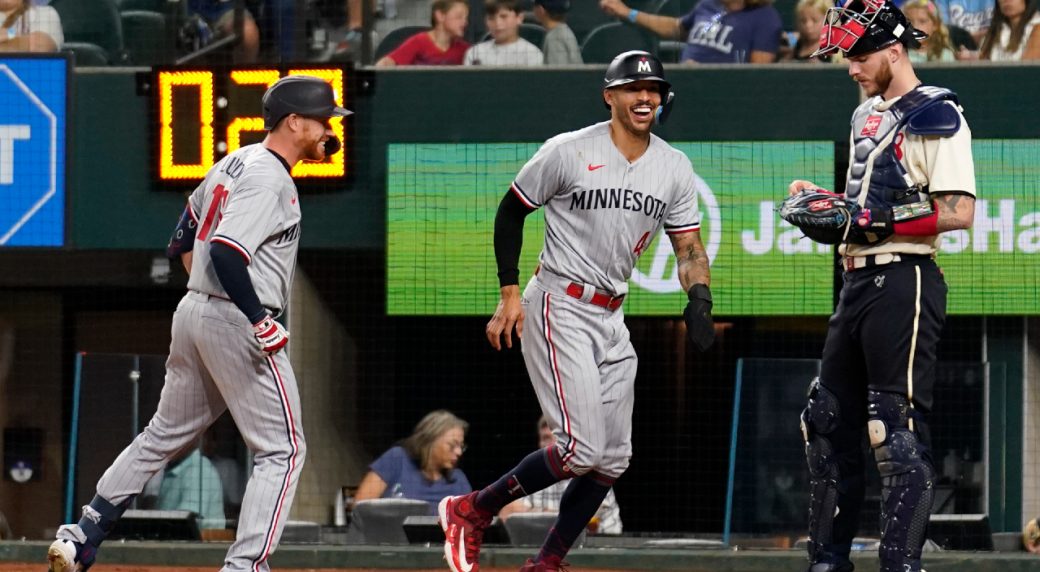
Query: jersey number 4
x=216 y=208
x=643 y=244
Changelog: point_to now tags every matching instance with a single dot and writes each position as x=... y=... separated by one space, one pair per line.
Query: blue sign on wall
x=33 y=99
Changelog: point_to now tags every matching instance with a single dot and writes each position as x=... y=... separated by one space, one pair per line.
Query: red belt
x=601 y=299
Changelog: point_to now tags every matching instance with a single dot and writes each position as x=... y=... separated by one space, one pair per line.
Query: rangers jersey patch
x=870 y=126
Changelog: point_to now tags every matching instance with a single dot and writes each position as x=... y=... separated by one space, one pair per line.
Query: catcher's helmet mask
x=304 y=95
x=637 y=65
x=860 y=27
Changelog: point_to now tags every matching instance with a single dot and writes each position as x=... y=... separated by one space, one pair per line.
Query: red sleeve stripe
x=683 y=229
x=191 y=213
x=523 y=198
x=238 y=247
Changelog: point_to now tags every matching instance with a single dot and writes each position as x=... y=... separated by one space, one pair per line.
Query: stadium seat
x=531 y=32
x=93 y=22
x=149 y=5
x=86 y=55
x=146 y=41
x=675 y=8
x=608 y=40
x=395 y=38
x=381 y=521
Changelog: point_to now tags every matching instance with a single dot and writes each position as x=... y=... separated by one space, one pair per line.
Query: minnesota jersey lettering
x=619 y=199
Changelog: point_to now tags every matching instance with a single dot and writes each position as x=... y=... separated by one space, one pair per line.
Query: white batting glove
x=271 y=335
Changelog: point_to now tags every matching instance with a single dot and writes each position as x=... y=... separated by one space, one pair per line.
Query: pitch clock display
x=204 y=114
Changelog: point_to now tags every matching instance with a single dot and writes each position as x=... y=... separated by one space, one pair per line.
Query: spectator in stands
x=560 y=45
x=1015 y=32
x=5 y=528
x=607 y=519
x=423 y=466
x=972 y=16
x=440 y=46
x=924 y=15
x=189 y=482
x=29 y=28
x=809 y=19
x=506 y=47
x=1031 y=536
x=716 y=31
x=220 y=16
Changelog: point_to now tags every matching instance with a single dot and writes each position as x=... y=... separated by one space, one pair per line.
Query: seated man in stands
x=424 y=466
x=441 y=45
x=28 y=28
x=189 y=482
x=560 y=45
x=506 y=47
x=716 y=31
x=608 y=517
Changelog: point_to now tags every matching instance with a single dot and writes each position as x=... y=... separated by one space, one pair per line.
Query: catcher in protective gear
x=823 y=216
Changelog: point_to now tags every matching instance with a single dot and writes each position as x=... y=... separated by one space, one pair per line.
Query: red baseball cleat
x=463 y=532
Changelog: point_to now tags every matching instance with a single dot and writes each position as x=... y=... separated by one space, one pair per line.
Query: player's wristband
x=632 y=15
x=916 y=219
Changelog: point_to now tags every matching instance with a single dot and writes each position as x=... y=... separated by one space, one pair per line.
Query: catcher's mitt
x=822 y=215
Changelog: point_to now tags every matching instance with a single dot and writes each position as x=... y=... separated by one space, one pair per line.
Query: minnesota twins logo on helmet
x=637 y=65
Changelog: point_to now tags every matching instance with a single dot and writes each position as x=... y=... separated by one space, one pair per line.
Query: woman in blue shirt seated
x=423 y=466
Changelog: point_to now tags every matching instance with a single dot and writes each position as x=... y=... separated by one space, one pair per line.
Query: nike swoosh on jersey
x=594 y=167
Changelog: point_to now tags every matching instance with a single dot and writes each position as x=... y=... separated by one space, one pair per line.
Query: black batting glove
x=875 y=222
x=700 y=328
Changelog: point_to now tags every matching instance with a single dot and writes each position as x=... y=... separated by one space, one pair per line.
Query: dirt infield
x=37 y=567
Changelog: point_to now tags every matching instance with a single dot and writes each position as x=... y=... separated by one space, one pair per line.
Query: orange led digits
x=184 y=131
x=168 y=81
x=265 y=78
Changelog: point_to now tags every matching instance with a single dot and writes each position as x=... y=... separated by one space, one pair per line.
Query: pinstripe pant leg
x=264 y=400
x=619 y=379
x=189 y=403
x=559 y=345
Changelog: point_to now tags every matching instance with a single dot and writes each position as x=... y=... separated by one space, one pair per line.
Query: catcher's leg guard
x=907 y=479
x=835 y=480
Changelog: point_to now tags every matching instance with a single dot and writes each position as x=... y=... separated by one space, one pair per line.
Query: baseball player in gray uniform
x=607 y=189
x=238 y=239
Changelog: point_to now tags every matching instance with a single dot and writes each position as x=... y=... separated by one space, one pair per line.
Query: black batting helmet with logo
x=300 y=94
x=637 y=65
x=860 y=27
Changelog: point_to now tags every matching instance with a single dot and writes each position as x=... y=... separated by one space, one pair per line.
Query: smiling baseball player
x=238 y=238
x=607 y=190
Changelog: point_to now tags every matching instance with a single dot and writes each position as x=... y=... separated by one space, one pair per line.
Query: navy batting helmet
x=637 y=65
x=863 y=26
x=300 y=94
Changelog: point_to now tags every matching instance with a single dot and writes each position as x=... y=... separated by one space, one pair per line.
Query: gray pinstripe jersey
x=601 y=211
x=248 y=201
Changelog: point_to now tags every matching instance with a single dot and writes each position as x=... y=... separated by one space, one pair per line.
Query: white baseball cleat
x=61 y=556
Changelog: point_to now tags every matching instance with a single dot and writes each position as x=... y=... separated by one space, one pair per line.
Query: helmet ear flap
x=665 y=109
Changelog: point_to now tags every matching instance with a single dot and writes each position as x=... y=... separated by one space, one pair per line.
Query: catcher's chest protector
x=876 y=139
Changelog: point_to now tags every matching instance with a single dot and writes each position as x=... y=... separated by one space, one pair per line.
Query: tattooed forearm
x=692 y=260
x=956 y=211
